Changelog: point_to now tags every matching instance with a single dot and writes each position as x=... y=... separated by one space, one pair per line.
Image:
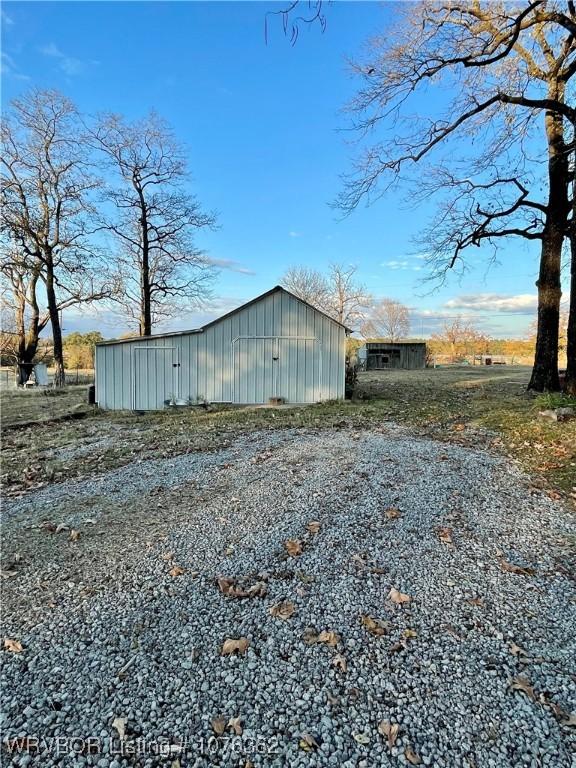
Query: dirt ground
x=51 y=437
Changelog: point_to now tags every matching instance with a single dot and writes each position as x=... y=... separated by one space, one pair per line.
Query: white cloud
x=231 y=265
x=292 y=233
x=68 y=64
x=7 y=20
x=9 y=68
x=395 y=264
x=522 y=303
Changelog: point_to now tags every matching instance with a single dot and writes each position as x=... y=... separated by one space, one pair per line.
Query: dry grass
x=472 y=405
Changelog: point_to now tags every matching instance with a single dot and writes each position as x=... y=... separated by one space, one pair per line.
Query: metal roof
x=222 y=317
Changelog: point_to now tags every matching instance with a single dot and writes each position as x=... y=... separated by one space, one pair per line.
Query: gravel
x=124 y=645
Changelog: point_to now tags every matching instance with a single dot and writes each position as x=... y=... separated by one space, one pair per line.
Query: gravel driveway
x=436 y=595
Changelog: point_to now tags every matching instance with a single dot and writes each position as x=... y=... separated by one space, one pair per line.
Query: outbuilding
x=275 y=348
x=381 y=355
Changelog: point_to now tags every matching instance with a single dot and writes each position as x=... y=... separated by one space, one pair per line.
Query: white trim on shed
x=274 y=346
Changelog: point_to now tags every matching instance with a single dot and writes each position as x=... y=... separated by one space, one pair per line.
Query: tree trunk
x=570 y=380
x=545 y=371
x=25 y=369
x=25 y=352
x=59 y=374
x=145 y=297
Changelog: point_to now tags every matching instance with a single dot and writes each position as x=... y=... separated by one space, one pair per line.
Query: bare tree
x=388 y=319
x=460 y=338
x=348 y=300
x=46 y=209
x=510 y=68
x=22 y=320
x=155 y=219
x=337 y=293
x=308 y=284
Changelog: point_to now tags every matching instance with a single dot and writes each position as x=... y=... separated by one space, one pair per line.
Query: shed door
x=298 y=370
x=254 y=370
x=276 y=367
x=155 y=377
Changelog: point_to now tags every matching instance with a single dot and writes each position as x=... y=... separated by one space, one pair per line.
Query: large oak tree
x=47 y=218
x=494 y=139
x=154 y=219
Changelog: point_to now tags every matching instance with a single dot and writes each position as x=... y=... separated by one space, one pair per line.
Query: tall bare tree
x=308 y=284
x=388 y=319
x=155 y=219
x=349 y=300
x=338 y=294
x=510 y=69
x=46 y=187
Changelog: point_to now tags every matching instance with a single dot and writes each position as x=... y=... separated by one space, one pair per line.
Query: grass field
x=478 y=406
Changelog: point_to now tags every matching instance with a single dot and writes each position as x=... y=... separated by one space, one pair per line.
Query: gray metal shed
x=275 y=346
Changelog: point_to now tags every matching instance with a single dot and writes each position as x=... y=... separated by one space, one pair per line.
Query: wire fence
x=74 y=376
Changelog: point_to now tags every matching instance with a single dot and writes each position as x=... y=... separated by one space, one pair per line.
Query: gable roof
x=201 y=329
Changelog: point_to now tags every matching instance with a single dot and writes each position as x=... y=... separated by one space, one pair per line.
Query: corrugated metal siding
x=409 y=356
x=231 y=360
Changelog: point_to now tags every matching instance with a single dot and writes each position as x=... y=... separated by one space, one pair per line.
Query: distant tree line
x=70 y=236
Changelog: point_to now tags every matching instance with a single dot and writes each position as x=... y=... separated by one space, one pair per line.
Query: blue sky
x=262 y=122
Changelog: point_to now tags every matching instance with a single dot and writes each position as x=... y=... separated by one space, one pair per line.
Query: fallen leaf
x=340 y=662
x=313 y=526
x=236 y=724
x=521 y=683
x=361 y=738
x=293 y=547
x=14 y=646
x=282 y=610
x=176 y=571
x=477 y=601
x=411 y=756
x=74 y=535
x=218 y=725
x=61 y=527
x=8 y=574
x=515 y=650
x=329 y=637
x=511 y=568
x=258 y=589
x=390 y=730
x=239 y=646
x=374 y=626
x=310 y=636
x=392 y=513
x=229 y=588
x=409 y=634
x=119 y=724
x=571 y=720
x=445 y=535
x=398 y=597
x=308 y=742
